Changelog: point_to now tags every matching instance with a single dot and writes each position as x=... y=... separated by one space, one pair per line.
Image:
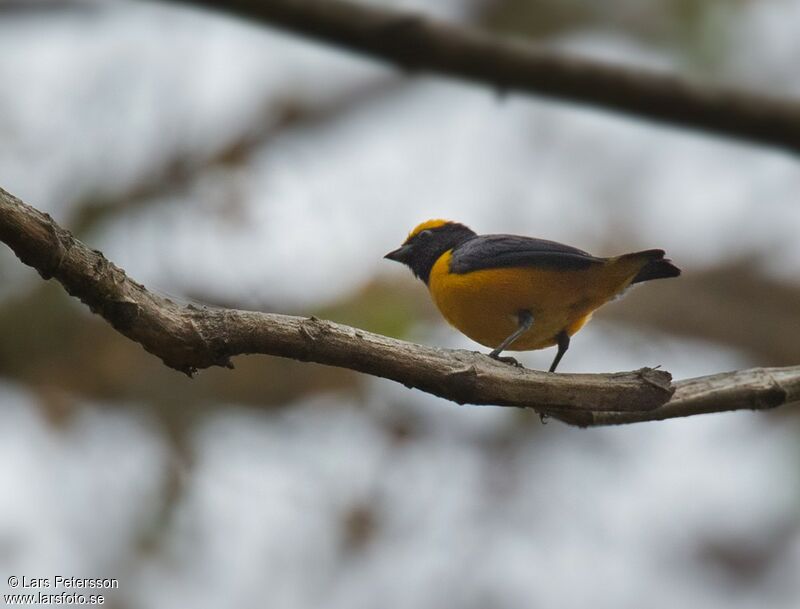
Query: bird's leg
x=563 y=345
x=525 y=319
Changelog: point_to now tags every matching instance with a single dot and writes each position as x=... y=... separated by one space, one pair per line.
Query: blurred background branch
x=179 y=173
x=416 y=43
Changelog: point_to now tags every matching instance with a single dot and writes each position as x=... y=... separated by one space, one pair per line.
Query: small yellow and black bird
x=518 y=293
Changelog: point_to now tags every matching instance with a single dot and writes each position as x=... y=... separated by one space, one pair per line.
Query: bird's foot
x=506 y=359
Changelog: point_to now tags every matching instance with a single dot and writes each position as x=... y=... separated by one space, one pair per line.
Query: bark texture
x=188 y=338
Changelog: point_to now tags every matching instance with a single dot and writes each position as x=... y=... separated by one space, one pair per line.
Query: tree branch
x=414 y=42
x=754 y=389
x=189 y=338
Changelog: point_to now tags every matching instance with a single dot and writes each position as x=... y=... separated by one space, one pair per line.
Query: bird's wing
x=503 y=251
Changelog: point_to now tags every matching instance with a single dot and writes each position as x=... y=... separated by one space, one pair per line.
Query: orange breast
x=485 y=304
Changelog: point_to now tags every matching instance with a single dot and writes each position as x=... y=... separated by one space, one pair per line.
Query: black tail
x=657 y=268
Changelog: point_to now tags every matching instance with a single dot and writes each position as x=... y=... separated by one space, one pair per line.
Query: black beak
x=401 y=254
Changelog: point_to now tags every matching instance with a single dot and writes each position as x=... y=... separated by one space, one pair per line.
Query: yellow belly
x=485 y=304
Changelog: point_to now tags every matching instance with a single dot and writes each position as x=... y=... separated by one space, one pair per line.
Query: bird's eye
x=425 y=233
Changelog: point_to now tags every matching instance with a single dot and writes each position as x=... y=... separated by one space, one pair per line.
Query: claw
x=506 y=359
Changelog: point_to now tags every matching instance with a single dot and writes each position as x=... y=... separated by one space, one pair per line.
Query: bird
x=515 y=293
